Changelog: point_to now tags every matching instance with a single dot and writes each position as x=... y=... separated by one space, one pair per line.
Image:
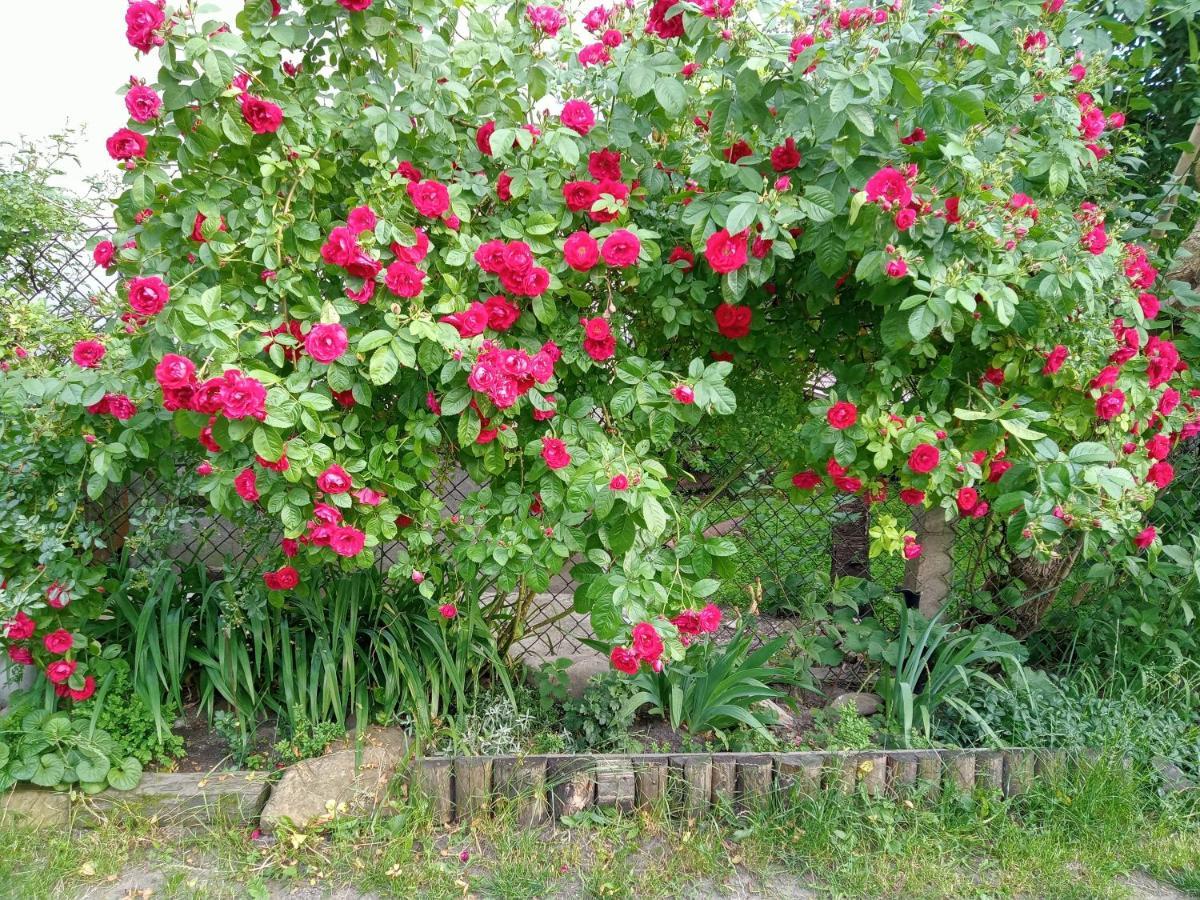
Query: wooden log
x=431 y=779
x=522 y=781
x=472 y=786
x=754 y=779
x=989 y=770
x=841 y=772
x=692 y=772
x=871 y=769
x=572 y=784
x=724 y=779
x=960 y=770
x=615 y=784
x=929 y=774
x=799 y=774
x=1049 y=765
x=901 y=772
x=650 y=779
x=1018 y=772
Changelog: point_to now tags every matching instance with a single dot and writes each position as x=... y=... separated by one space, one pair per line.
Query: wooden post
x=989 y=770
x=615 y=784
x=693 y=773
x=872 y=773
x=431 y=779
x=799 y=774
x=841 y=772
x=754 y=779
x=650 y=779
x=572 y=784
x=523 y=782
x=724 y=779
x=929 y=773
x=472 y=786
x=1018 y=772
x=901 y=772
x=960 y=770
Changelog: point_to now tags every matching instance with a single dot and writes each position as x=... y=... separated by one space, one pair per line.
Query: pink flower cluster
x=513 y=262
x=505 y=375
x=546 y=19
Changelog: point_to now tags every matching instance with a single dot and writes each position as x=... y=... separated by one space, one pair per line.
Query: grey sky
x=64 y=61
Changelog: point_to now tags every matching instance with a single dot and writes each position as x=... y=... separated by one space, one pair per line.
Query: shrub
x=601 y=718
x=1041 y=710
x=120 y=711
x=899 y=206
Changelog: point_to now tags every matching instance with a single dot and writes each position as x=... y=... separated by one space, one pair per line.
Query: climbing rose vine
x=364 y=241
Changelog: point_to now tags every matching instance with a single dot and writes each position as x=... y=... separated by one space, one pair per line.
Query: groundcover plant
x=363 y=241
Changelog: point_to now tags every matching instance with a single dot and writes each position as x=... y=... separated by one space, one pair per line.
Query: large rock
x=35 y=806
x=219 y=798
x=347 y=781
x=864 y=704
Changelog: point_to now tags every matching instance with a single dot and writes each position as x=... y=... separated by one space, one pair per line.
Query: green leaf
x=269 y=445
x=384 y=366
x=125 y=775
x=654 y=515
x=921 y=322
x=1089 y=452
x=816 y=203
x=374 y=340
x=605 y=619
x=671 y=95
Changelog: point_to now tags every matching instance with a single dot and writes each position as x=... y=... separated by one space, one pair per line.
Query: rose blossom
x=87 y=354
x=326 y=341
x=555 y=454
x=842 y=415
x=334 y=480
x=581 y=251
x=578 y=116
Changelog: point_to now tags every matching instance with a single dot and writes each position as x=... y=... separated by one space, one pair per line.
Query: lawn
x=1100 y=834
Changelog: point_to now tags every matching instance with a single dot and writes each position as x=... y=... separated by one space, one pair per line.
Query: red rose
x=738 y=150
x=504 y=187
x=924 y=458
x=605 y=164
x=282 y=579
x=347 y=541
x=1145 y=537
x=1149 y=304
x=646 y=643
x=431 y=198
x=618 y=191
x=87 y=354
x=710 y=618
x=806 y=480
x=621 y=249
x=142 y=20
x=142 y=103
x=966 y=498
x=623 y=659
x=912 y=496
x=785 y=157
x=683 y=394
x=581 y=251
x=246 y=485
x=263 y=116
x=555 y=454
x=733 y=321
x=448 y=610
x=60 y=670
x=148 y=296
x=1055 y=359
x=683 y=255
x=997 y=469
x=842 y=415
x=174 y=371
x=483 y=138
x=20 y=628
x=126 y=144
x=404 y=279
x=89 y=688
x=502 y=314
x=888 y=188
x=334 y=480
x=58 y=642
x=725 y=252
x=1161 y=474
x=326 y=341
x=578 y=116
x=618 y=482
x=103 y=254
x=1110 y=405
x=580 y=195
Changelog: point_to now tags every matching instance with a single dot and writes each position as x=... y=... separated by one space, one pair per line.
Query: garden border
x=542 y=788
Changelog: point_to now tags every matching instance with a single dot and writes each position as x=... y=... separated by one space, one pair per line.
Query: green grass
x=1077 y=838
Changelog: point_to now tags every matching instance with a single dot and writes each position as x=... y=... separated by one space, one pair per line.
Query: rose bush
x=363 y=242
